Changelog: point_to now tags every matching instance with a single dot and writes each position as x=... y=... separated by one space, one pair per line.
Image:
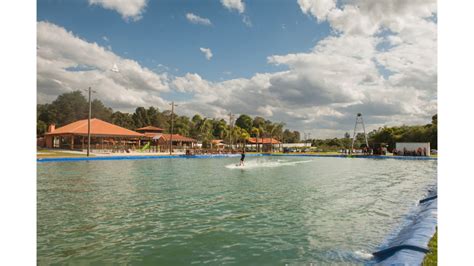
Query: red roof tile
x=149 y=128
x=176 y=137
x=98 y=127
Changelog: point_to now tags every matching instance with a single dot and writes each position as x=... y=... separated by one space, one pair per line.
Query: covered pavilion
x=266 y=143
x=104 y=136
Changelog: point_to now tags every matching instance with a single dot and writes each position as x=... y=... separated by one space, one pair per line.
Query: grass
x=53 y=153
x=431 y=257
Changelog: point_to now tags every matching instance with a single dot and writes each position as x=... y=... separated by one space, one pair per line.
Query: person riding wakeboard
x=242 y=158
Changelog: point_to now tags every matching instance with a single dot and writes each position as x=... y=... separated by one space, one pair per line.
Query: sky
x=312 y=64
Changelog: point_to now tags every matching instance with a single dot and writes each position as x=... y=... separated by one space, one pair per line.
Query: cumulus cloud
x=320 y=91
x=234 y=5
x=347 y=72
x=317 y=8
x=195 y=19
x=238 y=5
x=366 y=17
x=207 y=52
x=66 y=63
x=129 y=10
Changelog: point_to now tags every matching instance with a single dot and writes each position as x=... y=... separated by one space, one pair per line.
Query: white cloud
x=195 y=19
x=129 y=9
x=368 y=16
x=105 y=38
x=320 y=91
x=234 y=4
x=246 y=20
x=207 y=52
x=317 y=8
x=238 y=5
x=60 y=52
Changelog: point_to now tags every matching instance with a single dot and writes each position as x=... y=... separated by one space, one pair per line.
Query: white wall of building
x=299 y=145
x=284 y=145
x=413 y=146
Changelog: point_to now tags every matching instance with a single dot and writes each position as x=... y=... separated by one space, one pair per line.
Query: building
x=160 y=141
x=265 y=144
x=149 y=130
x=218 y=144
x=412 y=148
x=104 y=136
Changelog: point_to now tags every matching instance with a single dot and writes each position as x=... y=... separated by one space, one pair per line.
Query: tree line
x=385 y=135
x=73 y=106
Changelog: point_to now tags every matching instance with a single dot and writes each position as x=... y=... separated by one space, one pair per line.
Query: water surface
x=274 y=211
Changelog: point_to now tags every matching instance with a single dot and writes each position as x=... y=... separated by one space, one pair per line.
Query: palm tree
x=256 y=132
x=279 y=132
x=271 y=127
x=244 y=136
x=236 y=134
x=205 y=130
x=262 y=130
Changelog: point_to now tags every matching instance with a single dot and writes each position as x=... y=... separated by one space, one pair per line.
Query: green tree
x=219 y=128
x=392 y=135
x=140 y=117
x=153 y=115
x=196 y=119
x=258 y=122
x=100 y=111
x=244 y=136
x=256 y=133
x=244 y=121
x=182 y=126
x=46 y=113
x=41 y=128
x=45 y=116
x=123 y=120
x=205 y=130
x=69 y=107
x=433 y=132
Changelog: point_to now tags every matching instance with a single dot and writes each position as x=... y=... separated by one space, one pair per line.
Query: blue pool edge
x=410 y=245
x=147 y=157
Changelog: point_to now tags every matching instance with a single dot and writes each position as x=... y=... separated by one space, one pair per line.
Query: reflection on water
x=183 y=211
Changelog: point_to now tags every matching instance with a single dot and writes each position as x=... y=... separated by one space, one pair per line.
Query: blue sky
x=164 y=36
x=312 y=64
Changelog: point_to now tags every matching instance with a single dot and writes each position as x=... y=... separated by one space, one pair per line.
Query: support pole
x=89 y=125
x=231 y=117
x=172 y=125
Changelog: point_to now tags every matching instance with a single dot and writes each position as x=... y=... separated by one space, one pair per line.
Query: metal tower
x=359 y=121
x=231 y=125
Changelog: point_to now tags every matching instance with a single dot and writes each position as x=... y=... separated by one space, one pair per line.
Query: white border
x=18 y=132
x=18 y=107
x=455 y=132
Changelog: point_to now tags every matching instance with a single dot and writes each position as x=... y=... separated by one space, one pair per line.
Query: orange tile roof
x=176 y=137
x=98 y=127
x=152 y=128
x=263 y=141
x=217 y=141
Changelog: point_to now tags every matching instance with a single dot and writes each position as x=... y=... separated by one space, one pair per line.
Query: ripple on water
x=274 y=211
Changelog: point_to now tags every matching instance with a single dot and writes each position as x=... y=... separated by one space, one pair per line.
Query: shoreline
x=78 y=156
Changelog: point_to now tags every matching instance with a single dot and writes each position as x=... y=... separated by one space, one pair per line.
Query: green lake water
x=275 y=211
